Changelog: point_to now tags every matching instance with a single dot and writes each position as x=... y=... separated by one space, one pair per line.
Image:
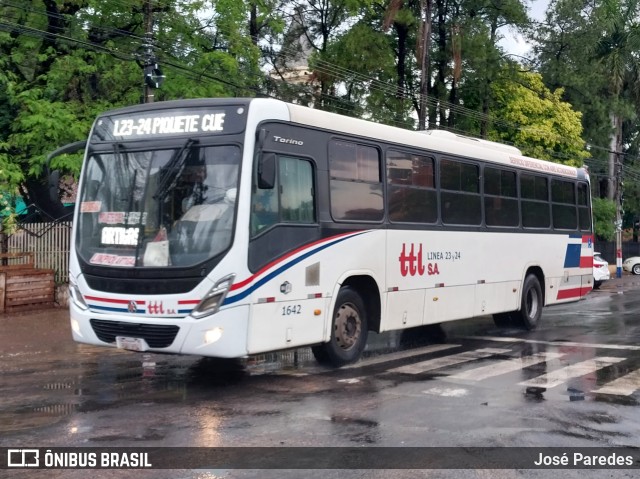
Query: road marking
x=505 y=366
x=623 y=386
x=401 y=355
x=553 y=379
x=626 y=347
x=447 y=392
x=437 y=363
x=499 y=339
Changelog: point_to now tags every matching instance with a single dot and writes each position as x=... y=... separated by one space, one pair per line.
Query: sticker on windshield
x=90 y=206
x=120 y=218
x=112 y=260
x=114 y=235
x=111 y=218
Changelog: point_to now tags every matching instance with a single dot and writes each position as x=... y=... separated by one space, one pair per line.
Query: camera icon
x=23 y=458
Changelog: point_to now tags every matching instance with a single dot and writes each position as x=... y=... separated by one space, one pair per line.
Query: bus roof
x=436 y=140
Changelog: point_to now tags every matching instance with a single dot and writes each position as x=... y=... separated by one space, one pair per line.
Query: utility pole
x=426 y=6
x=153 y=76
x=618 y=200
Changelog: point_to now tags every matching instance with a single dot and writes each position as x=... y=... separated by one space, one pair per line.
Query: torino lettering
x=288 y=141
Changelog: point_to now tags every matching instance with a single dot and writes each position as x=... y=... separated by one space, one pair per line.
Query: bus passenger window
x=411 y=188
x=563 y=200
x=356 y=185
x=500 y=198
x=584 y=210
x=534 y=192
x=461 y=203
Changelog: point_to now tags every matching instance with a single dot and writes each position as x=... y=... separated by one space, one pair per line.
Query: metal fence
x=608 y=250
x=50 y=244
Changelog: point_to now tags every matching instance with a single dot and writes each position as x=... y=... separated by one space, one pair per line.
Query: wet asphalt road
x=574 y=382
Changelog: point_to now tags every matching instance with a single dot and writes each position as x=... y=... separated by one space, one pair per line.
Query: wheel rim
x=348 y=326
x=636 y=268
x=533 y=303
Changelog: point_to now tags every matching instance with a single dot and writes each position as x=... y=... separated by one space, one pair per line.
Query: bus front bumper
x=221 y=335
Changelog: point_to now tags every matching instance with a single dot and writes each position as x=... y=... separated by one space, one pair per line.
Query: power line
x=338 y=72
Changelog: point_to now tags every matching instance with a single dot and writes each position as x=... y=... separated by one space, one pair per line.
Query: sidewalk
x=628 y=280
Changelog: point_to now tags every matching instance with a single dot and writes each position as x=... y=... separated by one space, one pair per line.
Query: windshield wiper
x=172 y=170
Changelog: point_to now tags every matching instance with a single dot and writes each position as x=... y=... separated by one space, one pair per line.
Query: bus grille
x=156 y=335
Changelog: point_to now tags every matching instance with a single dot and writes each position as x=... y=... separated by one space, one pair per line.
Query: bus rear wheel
x=531 y=303
x=349 y=330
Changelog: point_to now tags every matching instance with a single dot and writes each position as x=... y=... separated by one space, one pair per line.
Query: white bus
x=231 y=227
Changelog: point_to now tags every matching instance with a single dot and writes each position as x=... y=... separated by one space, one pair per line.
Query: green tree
x=64 y=61
x=590 y=50
x=537 y=120
x=604 y=218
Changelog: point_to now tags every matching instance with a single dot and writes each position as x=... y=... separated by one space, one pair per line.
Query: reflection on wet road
x=575 y=381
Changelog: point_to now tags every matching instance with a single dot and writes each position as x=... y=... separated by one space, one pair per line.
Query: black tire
x=635 y=269
x=596 y=284
x=531 y=303
x=503 y=320
x=349 y=330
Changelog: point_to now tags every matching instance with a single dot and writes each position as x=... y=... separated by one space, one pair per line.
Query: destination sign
x=171 y=122
x=168 y=125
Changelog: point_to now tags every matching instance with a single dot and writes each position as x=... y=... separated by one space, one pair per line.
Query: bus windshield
x=171 y=207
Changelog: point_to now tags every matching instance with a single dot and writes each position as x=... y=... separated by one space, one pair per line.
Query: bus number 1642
x=291 y=309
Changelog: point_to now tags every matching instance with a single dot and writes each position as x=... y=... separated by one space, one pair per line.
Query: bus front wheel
x=349 y=330
x=531 y=304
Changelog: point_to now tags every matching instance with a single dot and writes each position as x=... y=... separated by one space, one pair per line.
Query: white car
x=601 y=270
x=632 y=265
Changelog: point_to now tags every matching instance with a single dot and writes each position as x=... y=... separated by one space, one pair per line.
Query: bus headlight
x=212 y=335
x=214 y=298
x=76 y=295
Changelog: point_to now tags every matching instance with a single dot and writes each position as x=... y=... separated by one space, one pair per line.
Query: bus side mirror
x=54 y=176
x=54 y=181
x=267 y=171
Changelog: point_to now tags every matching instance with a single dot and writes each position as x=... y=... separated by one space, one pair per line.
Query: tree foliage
x=64 y=61
x=604 y=217
x=538 y=120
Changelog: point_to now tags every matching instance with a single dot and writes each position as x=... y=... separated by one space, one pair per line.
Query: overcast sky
x=516 y=44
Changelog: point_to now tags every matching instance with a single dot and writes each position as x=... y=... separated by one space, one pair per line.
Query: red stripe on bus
x=573 y=293
x=117 y=301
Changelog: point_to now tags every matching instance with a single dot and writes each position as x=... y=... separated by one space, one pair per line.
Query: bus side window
x=291 y=199
x=264 y=209
x=296 y=191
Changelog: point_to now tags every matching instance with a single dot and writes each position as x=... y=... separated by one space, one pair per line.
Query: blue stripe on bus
x=572 y=256
x=230 y=300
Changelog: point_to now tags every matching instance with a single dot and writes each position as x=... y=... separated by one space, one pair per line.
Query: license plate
x=131 y=344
